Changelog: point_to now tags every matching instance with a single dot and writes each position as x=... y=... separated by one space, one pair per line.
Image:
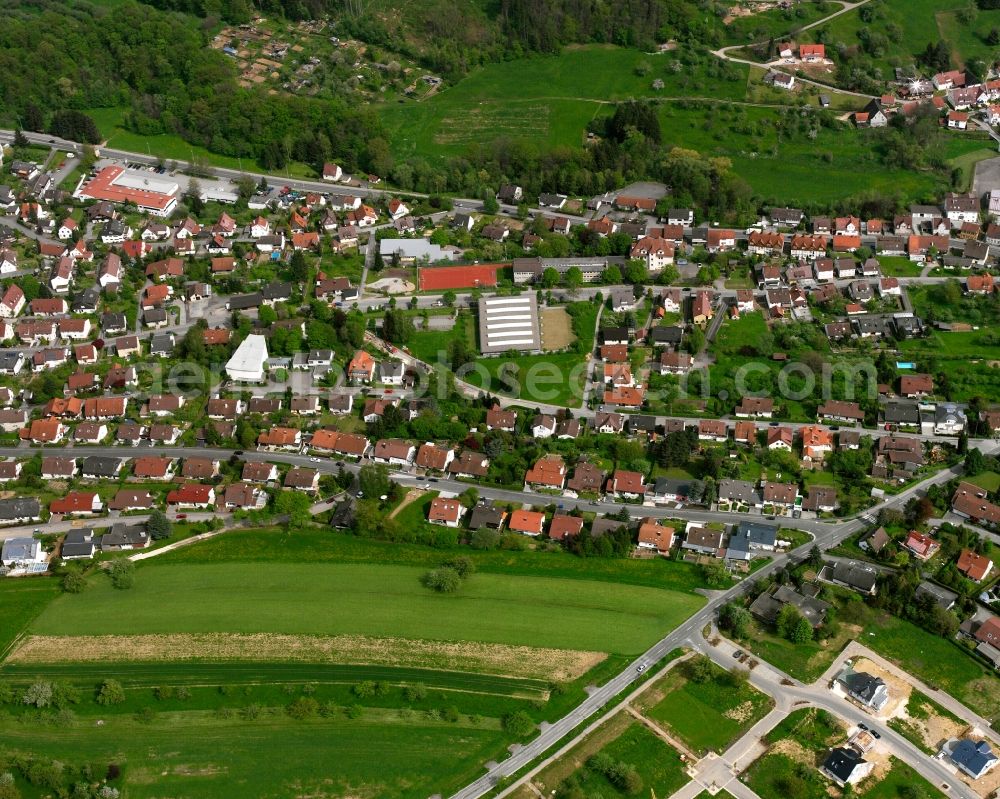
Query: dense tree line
x=60 y=59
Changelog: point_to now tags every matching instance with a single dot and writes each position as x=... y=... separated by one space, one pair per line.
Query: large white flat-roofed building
x=247 y=363
x=509 y=323
x=410 y=251
x=151 y=193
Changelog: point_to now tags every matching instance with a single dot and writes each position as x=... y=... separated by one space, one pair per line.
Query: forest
x=61 y=58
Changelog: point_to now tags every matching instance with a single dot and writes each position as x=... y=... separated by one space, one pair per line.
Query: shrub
x=110 y=692
x=304 y=707
x=444 y=580
x=518 y=723
x=122 y=573
x=415 y=693
x=38 y=694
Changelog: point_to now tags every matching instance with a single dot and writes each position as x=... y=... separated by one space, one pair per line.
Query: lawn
x=22 y=600
x=427 y=344
x=272 y=546
x=658 y=765
x=735 y=333
x=373 y=600
x=707 y=715
x=202 y=755
x=556 y=378
x=938 y=662
x=899 y=266
x=988 y=480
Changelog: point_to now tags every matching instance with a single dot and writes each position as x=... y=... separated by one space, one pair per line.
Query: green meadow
x=374 y=600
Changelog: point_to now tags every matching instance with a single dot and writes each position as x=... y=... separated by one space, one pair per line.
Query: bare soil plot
x=501 y=659
x=556 y=328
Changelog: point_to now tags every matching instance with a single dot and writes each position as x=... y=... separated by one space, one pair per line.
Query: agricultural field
x=373 y=601
x=191 y=655
x=544 y=99
x=705 y=714
x=316 y=755
x=274 y=546
x=22 y=601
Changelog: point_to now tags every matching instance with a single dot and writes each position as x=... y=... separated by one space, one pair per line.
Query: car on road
x=314 y=460
x=182 y=515
x=875 y=734
x=862 y=726
x=738 y=654
x=433 y=479
x=238 y=452
x=640 y=668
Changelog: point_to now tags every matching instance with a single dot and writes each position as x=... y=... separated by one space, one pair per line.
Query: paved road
x=791 y=692
x=724 y=52
x=683 y=635
x=12 y=223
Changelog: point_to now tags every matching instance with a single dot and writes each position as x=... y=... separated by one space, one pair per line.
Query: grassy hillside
x=910 y=25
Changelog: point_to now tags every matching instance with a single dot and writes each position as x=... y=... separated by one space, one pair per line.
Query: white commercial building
x=247 y=363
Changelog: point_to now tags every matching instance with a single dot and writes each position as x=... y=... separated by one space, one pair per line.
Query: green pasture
x=379 y=600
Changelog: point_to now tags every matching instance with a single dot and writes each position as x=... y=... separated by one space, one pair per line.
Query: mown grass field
x=428 y=344
x=708 y=715
x=555 y=377
x=22 y=600
x=200 y=755
x=378 y=600
x=274 y=546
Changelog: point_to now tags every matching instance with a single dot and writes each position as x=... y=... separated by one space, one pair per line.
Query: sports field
x=371 y=600
x=557 y=329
